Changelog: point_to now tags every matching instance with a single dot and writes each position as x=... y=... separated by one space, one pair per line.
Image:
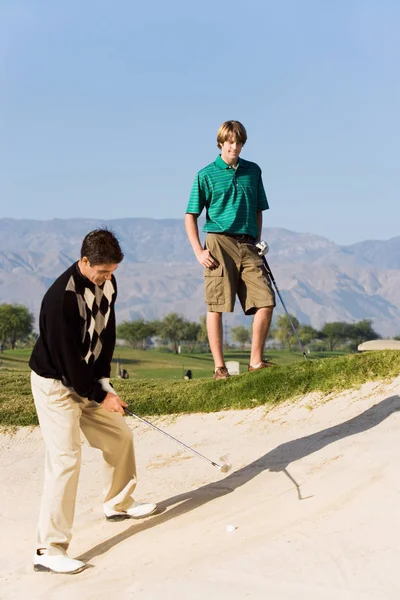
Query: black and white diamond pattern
x=94 y=309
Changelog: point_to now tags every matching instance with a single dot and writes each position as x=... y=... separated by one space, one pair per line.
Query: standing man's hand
x=262 y=248
x=203 y=256
x=206 y=259
x=113 y=403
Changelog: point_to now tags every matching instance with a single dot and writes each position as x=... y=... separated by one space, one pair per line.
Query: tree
x=307 y=334
x=336 y=332
x=4 y=323
x=362 y=331
x=203 y=335
x=136 y=332
x=172 y=328
x=241 y=335
x=283 y=331
x=190 y=334
x=16 y=323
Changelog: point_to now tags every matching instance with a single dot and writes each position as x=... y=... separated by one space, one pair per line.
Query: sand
x=313 y=498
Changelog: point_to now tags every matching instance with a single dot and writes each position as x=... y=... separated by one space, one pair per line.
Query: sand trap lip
x=379 y=345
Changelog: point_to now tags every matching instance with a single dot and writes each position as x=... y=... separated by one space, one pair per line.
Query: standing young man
x=232 y=192
x=71 y=365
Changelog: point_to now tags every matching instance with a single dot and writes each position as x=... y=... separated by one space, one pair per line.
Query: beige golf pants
x=62 y=414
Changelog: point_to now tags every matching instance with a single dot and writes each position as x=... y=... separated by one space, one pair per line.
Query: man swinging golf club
x=71 y=365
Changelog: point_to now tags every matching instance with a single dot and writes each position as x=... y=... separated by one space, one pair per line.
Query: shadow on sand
x=276 y=460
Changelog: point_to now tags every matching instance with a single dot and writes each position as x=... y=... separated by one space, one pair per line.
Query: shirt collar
x=84 y=281
x=221 y=164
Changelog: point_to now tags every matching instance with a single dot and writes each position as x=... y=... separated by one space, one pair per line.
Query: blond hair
x=231 y=129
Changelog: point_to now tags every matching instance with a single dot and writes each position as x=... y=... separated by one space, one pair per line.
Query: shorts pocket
x=214 y=285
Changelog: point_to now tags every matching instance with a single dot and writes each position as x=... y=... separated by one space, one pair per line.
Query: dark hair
x=101 y=247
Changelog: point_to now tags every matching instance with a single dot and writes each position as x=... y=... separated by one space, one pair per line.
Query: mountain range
x=319 y=281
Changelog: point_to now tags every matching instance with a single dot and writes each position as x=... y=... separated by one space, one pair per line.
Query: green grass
x=15 y=359
x=269 y=386
x=153 y=364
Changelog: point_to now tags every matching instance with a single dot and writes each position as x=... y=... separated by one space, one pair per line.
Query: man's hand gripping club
x=112 y=402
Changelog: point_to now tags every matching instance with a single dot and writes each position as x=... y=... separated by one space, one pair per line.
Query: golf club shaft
x=171 y=437
x=269 y=272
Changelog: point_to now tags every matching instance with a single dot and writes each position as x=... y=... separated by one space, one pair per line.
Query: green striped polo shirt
x=230 y=196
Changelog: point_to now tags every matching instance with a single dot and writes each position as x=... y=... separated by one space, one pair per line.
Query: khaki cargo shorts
x=240 y=272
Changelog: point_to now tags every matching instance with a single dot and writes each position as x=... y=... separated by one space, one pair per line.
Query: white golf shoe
x=57 y=563
x=138 y=510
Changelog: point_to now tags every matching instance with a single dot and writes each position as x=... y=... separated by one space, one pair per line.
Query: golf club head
x=225 y=466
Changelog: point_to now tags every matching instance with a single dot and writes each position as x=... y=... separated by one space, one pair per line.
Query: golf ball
x=230 y=528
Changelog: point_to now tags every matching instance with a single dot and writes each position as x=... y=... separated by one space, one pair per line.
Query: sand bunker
x=313 y=498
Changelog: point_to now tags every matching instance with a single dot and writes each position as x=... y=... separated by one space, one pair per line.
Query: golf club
x=224 y=467
x=263 y=249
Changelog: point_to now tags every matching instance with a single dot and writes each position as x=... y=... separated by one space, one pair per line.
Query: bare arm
x=203 y=256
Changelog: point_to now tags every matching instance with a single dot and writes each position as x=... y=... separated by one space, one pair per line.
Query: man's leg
x=215 y=337
x=59 y=422
x=261 y=325
x=109 y=433
x=257 y=297
x=220 y=292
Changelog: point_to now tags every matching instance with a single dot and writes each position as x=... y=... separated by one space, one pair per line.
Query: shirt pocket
x=214 y=285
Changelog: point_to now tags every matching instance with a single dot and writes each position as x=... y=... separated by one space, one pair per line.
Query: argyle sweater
x=76 y=333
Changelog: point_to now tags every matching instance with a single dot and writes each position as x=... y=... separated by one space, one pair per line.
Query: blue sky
x=108 y=109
